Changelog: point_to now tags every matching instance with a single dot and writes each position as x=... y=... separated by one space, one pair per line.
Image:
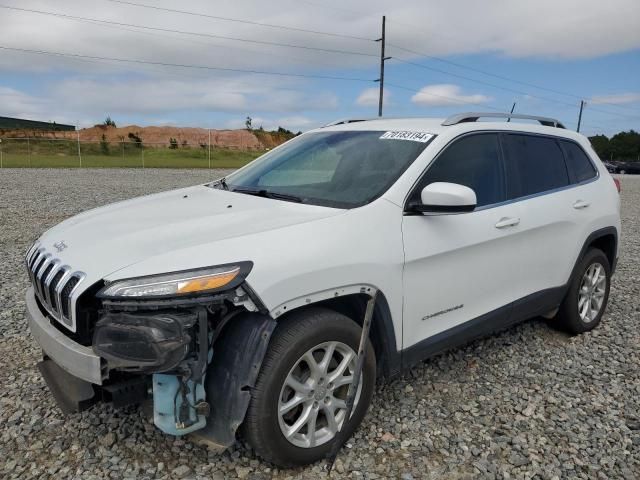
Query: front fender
x=237 y=358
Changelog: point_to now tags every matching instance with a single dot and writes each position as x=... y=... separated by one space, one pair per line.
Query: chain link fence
x=68 y=153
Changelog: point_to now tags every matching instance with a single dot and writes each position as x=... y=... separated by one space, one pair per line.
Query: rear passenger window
x=534 y=164
x=473 y=161
x=579 y=166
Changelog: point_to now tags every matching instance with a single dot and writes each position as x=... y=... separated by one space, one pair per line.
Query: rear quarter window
x=534 y=164
x=578 y=164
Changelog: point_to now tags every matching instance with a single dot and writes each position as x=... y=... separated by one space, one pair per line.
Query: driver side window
x=473 y=161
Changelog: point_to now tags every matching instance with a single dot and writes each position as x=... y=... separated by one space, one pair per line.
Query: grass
x=65 y=156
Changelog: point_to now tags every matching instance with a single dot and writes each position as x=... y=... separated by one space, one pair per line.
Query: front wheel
x=299 y=401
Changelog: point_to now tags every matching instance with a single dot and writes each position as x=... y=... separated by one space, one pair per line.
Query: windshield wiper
x=267 y=194
x=223 y=183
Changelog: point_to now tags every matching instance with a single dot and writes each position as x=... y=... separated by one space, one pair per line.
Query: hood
x=107 y=239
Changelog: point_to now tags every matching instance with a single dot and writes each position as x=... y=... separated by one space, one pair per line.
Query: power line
x=179 y=65
x=206 y=67
x=237 y=20
x=184 y=32
x=502 y=77
x=493 y=85
x=208 y=43
x=451 y=99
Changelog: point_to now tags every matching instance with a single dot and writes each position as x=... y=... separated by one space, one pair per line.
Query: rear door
x=538 y=184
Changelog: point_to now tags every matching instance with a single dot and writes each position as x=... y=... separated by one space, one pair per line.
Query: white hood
x=107 y=239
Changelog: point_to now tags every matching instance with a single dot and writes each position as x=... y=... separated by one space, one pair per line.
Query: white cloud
x=84 y=89
x=84 y=99
x=545 y=28
x=616 y=98
x=369 y=97
x=446 y=95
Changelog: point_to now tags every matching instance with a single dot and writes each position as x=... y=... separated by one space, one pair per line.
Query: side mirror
x=442 y=198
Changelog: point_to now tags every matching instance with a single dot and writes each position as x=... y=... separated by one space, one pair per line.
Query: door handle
x=579 y=204
x=507 y=222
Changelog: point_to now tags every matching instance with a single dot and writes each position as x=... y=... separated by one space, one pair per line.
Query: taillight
x=617 y=182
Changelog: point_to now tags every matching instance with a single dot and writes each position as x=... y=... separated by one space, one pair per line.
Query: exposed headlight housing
x=177 y=284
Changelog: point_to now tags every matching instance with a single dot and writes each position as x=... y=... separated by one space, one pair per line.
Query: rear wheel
x=584 y=305
x=299 y=401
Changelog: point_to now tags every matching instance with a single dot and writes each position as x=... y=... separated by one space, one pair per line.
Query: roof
x=459 y=123
x=9 y=123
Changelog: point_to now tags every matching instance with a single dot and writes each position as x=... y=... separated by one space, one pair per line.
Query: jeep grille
x=54 y=285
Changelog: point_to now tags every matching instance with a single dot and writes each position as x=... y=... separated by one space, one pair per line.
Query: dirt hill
x=160 y=136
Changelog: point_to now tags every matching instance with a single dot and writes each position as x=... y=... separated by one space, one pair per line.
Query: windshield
x=336 y=169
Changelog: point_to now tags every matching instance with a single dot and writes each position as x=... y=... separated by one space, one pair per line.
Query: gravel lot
x=529 y=403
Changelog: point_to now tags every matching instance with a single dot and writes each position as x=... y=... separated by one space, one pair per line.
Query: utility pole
x=580 y=115
x=513 y=107
x=382 y=60
x=209 y=148
x=79 y=153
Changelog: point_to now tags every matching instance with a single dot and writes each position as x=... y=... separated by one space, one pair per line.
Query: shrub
x=135 y=139
x=104 y=145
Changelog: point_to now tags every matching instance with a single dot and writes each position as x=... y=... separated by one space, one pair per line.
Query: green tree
x=626 y=145
x=600 y=144
x=104 y=145
x=247 y=123
x=109 y=122
x=173 y=143
x=135 y=139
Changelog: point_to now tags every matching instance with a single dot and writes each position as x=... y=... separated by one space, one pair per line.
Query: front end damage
x=194 y=359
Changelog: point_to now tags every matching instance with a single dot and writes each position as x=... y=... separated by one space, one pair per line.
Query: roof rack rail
x=345 y=121
x=474 y=116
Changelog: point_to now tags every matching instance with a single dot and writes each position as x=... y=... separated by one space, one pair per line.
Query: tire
x=571 y=317
x=293 y=338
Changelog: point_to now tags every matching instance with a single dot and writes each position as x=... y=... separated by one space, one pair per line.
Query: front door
x=459 y=268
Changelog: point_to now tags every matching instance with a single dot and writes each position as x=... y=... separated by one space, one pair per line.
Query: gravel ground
x=528 y=403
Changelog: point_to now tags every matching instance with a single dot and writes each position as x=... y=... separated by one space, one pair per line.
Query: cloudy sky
x=302 y=63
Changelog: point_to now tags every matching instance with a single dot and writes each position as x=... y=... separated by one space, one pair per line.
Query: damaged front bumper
x=140 y=352
x=75 y=359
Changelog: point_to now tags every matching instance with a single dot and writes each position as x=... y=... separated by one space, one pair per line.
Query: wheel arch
x=382 y=332
x=605 y=239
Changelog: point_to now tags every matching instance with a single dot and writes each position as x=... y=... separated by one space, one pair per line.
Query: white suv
x=272 y=298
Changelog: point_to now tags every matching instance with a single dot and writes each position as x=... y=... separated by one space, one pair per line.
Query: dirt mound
x=154 y=136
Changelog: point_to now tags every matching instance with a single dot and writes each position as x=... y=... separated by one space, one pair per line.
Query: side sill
x=522 y=309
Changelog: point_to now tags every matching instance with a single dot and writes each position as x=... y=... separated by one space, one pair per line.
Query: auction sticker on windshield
x=405 y=135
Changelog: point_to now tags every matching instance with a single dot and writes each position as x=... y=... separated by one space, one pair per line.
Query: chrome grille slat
x=31 y=255
x=55 y=266
x=49 y=277
x=33 y=264
x=38 y=272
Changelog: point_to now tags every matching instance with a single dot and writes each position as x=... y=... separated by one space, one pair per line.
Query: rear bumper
x=75 y=359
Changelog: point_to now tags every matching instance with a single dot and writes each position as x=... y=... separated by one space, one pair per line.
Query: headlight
x=189 y=282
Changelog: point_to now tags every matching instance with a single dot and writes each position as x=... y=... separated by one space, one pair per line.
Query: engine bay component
x=176 y=404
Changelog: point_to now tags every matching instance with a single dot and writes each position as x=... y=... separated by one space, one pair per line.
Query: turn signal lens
x=209 y=282
x=178 y=283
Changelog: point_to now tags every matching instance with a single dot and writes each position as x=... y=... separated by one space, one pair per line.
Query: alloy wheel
x=312 y=402
x=592 y=291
